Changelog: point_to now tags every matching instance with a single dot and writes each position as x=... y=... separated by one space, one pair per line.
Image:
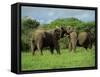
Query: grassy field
x=81 y=58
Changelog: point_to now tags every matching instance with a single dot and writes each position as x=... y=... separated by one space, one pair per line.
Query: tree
x=27 y=25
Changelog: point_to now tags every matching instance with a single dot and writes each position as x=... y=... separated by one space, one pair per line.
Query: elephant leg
x=40 y=47
x=74 y=45
x=57 y=49
x=90 y=45
x=70 y=46
x=33 y=47
x=86 y=47
x=51 y=49
x=41 y=52
x=55 y=44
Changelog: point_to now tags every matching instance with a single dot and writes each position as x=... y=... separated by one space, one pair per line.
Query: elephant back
x=38 y=34
x=56 y=33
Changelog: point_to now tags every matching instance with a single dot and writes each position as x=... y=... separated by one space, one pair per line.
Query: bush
x=28 y=25
x=63 y=43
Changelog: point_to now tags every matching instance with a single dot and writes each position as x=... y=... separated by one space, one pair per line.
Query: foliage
x=71 y=22
x=63 y=43
x=27 y=26
x=29 y=23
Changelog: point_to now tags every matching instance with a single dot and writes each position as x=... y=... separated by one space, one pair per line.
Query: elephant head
x=66 y=31
x=63 y=31
x=57 y=33
x=72 y=37
x=69 y=29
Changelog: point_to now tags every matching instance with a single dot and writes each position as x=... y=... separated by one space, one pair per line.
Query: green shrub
x=27 y=26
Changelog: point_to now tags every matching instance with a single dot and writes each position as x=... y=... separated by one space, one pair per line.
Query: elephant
x=83 y=39
x=72 y=38
x=86 y=39
x=71 y=34
x=43 y=38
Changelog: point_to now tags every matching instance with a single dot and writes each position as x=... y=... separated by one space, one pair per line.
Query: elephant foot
x=59 y=53
x=52 y=53
x=42 y=54
x=72 y=51
x=33 y=54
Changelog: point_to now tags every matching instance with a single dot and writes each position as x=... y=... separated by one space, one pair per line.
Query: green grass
x=81 y=58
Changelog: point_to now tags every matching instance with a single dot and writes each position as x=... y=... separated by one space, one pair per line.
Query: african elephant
x=43 y=38
x=86 y=39
x=72 y=38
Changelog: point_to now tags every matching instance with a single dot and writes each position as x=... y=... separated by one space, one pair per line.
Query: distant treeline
x=28 y=26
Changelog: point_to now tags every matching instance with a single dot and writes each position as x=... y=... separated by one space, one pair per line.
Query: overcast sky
x=46 y=15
